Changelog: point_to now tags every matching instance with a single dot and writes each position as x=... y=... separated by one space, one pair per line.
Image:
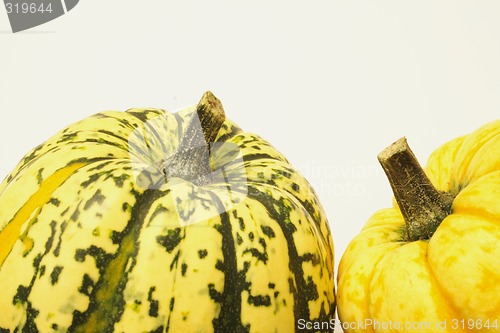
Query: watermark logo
x=26 y=14
x=187 y=201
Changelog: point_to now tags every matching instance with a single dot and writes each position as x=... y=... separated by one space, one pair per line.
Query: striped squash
x=129 y=222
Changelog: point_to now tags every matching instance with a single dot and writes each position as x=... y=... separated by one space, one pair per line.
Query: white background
x=330 y=84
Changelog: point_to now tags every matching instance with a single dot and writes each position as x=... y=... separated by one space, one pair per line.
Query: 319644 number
x=28 y=8
x=471 y=324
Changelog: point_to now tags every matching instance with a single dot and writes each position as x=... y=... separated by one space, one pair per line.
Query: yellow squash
x=148 y=221
x=431 y=263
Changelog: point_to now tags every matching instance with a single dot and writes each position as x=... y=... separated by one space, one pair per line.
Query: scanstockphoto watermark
x=458 y=325
x=341 y=179
x=26 y=14
x=375 y=324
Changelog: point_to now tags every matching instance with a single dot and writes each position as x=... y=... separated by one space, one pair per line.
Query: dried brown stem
x=422 y=205
x=191 y=161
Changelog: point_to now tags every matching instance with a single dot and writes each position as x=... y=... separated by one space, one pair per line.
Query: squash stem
x=422 y=205
x=191 y=161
